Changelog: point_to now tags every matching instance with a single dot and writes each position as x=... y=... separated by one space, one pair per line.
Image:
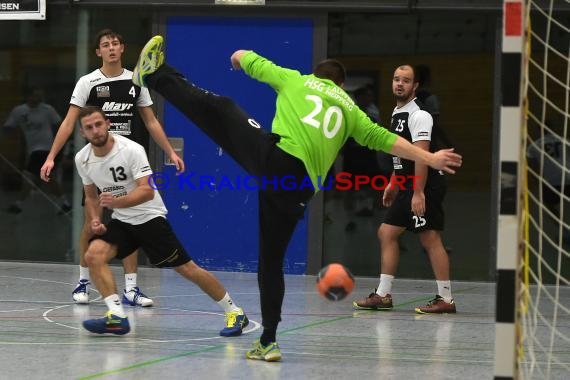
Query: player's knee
x=385 y=234
x=95 y=254
x=430 y=239
x=189 y=270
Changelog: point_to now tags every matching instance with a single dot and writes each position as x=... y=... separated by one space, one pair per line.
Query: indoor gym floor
x=42 y=338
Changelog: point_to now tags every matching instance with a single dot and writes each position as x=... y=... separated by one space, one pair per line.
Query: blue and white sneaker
x=135 y=297
x=236 y=321
x=150 y=59
x=109 y=324
x=81 y=292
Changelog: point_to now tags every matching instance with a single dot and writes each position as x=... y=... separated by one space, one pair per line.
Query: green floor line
x=212 y=348
x=150 y=362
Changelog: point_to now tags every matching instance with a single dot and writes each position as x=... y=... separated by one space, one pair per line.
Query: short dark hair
x=88 y=110
x=331 y=69
x=415 y=78
x=107 y=33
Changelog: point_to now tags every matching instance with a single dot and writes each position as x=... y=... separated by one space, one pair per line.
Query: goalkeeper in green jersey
x=313 y=120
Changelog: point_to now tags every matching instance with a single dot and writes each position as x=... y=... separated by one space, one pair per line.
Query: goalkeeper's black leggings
x=256 y=151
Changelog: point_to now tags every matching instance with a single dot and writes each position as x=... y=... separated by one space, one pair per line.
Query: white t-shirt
x=117 y=172
x=36 y=123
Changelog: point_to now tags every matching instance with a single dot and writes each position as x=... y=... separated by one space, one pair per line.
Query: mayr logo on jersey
x=113 y=106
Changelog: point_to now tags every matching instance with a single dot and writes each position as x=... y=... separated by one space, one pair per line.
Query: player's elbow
x=148 y=194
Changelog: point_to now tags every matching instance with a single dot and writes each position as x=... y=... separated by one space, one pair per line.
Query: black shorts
x=400 y=213
x=155 y=237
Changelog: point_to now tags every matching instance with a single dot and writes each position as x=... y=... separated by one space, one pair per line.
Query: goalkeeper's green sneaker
x=269 y=353
x=150 y=59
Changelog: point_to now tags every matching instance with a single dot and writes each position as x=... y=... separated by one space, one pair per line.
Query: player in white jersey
x=110 y=87
x=120 y=170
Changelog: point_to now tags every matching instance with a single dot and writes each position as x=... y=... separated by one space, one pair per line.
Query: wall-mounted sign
x=22 y=9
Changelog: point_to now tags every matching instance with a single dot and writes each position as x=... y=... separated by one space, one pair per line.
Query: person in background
x=37 y=121
x=361 y=160
x=430 y=103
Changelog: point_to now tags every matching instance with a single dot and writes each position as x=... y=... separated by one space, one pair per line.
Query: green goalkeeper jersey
x=314 y=117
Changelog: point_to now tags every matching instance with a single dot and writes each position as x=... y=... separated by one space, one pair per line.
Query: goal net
x=544 y=299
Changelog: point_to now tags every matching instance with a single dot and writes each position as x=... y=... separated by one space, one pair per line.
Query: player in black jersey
x=110 y=87
x=416 y=206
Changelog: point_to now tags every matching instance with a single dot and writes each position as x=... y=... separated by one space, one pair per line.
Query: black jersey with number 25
x=413 y=124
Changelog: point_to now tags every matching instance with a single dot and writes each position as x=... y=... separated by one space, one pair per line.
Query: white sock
x=84 y=273
x=444 y=290
x=130 y=281
x=114 y=304
x=227 y=304
x=385 y=286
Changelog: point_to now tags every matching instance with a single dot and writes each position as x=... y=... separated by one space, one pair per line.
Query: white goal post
x=532 y=339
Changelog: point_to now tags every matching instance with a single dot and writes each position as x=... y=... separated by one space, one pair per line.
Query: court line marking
x=190 y=353
x=48 y=302
x=150 y=362
x=256 y=325
x=44 y=315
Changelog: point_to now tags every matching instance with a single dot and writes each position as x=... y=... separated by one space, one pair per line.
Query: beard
x=100 y=142
x=404 y=97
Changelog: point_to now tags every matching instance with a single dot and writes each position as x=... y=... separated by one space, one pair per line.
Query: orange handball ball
x=335 y=282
